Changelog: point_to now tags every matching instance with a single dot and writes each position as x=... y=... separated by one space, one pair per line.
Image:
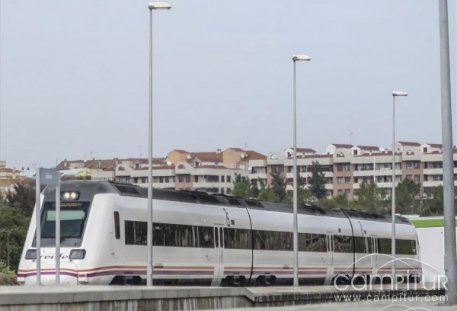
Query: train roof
x=89 y=188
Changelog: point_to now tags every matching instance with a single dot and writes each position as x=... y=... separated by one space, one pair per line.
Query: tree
x=434 y=205
x=338 y=201
x=267 y=194
x=278 y=186
x=303 y=195
x=241 y=187
x=369 y=198
x=15 y=213
x=317 y=181
x=254 y=189
x=23 y=197
x=13 y=229
x=406 y=193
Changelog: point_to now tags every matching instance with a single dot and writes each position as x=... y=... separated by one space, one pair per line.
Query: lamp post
x=395 y=94
x=152 y=6
x=450 y=260
x=295 y=59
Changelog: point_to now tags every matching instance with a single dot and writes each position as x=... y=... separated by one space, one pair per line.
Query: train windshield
x=72 y=224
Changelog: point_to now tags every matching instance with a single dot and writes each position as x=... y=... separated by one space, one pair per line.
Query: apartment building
x=9 y=177
x=213 y=172
x=345 y=168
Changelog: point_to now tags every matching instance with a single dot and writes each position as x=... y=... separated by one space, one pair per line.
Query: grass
x=8 y=279
x=428 y=223
x=7 y=275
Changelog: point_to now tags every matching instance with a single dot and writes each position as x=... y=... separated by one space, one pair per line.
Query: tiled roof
x=370 y=148
x=179 y=151
x=64 y=164
x=254 y=155
x=435 y=145
x=305 y=150
x=342 y=145
x=100 y=164
x=236 y=149
x=208 y=156
x=409 y=143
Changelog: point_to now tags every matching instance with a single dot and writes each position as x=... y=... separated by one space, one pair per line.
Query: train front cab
x=74 y=216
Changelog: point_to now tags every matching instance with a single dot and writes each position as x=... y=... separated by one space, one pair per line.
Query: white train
x=202 y=239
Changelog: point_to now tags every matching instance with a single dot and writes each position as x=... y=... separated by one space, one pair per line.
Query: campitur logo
x=410 y=277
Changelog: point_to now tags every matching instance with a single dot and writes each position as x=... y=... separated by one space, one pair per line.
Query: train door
x=374 y=254
x=219 y=255
x=362 y=257
x=330 y=259
x=115 y=235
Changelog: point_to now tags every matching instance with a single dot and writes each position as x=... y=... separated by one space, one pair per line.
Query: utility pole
x=450 y=257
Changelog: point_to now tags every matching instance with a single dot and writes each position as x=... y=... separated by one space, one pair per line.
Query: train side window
x=136 y=232
x=405 y=247
x=359 y=243
x=384 y=246
x=216 y=233
x=273 y=240
x=237 y=238
x=343 y=244
x=205 y=237
x=117 y=227
x=310 y=242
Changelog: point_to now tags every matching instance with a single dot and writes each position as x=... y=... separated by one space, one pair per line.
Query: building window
x=229 y=178
x=343 y=167
x=364 y=167
x=195 y=178
x=212 y=178
x=277 y=168
x=222 y=179
x=411 y=165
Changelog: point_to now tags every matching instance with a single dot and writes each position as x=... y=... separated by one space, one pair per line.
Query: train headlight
x=69 y=195
x=30 y=254
x=77 y=254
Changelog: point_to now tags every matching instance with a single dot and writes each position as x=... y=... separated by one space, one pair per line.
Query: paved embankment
x=140 y=298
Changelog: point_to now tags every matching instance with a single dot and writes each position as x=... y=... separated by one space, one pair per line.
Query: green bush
x=7 y=276
x=4 y=268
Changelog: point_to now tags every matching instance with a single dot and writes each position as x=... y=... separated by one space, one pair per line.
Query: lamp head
x=300 y=57
x=399 y=93
x=159 y=6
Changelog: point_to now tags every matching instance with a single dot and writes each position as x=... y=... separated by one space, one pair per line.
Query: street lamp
x=295 y=59
x=394 y=95
x=152 y=6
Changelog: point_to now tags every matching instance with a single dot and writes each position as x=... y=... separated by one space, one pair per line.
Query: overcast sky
x=74 y=75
